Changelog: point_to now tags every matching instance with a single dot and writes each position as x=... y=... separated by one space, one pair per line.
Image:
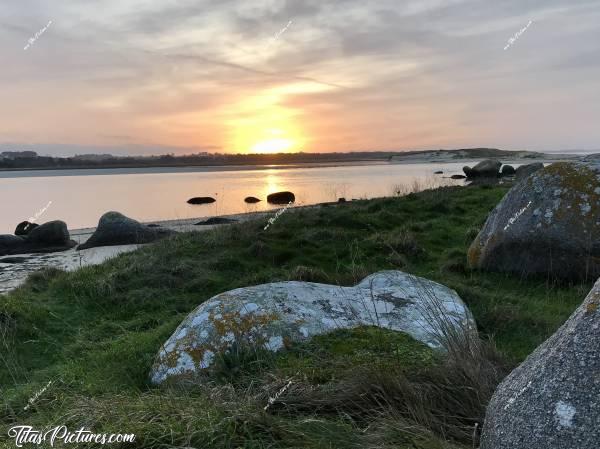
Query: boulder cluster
x=273 y=198
x=492 y=169
x=548 y=225
x=49 y=237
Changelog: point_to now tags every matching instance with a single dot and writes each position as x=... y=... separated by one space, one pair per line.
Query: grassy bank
x=94 y=333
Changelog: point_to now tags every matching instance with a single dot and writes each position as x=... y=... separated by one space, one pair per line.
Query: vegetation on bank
x=95 y=332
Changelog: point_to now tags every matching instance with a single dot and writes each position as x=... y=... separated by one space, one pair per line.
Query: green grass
x=96 y=331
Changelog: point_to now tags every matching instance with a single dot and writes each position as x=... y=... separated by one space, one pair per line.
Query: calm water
x=80 y=197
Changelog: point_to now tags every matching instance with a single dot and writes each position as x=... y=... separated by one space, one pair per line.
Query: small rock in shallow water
x=201 y=200
x=252 y=200
x=14 y=259
x=25 y=228
x=216 y=221
x=281 y=198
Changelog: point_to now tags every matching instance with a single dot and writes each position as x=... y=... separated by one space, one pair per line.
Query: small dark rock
x=341 y=200
x=10 y=244
x=201 y=200
x=457 y=177
x=216 y=221
x=508 y=170
x=281 y=198
x=252 y=200
x=439 y=172
x=25 y=228
x=14 y=259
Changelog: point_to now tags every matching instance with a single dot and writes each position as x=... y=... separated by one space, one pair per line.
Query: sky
x=131 y=77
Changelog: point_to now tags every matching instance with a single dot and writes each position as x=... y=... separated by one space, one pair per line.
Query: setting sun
x=272 y=146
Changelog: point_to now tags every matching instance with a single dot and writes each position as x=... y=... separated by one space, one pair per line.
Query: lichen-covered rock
x=547 y=224
x=117 y=229
x=524 y=171
x=488 y=168
x=272 y=316
x=552 y=400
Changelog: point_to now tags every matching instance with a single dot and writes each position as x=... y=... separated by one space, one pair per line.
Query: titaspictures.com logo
x=28 y=435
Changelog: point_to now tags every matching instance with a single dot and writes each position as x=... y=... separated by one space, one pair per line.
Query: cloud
x=350 y=74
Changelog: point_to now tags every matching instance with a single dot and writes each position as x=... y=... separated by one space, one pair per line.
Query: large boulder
x=49 y=237
x=281 y=198
x=115 y=228
x=547 y=224
x=524 y=171
x=488 y=168
x=273 y=316
x=552 y=400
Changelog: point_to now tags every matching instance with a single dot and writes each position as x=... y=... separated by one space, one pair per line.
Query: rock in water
x=117 y=229
x=507 y=170
x=11 y=244
x=485 y=169
x=50 y=237
x=201 y=200
x=525 y=170
x=49 y=234
x=252 y=200
x=272 y=316
x=25 y=228
x=216 y=221
x=552 y=400
x=281 y=198
x=547 y=224
x=458 y=176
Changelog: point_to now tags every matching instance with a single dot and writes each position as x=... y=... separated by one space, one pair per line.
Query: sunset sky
x=183 y=76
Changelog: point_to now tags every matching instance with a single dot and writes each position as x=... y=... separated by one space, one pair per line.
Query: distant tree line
x=170 y=160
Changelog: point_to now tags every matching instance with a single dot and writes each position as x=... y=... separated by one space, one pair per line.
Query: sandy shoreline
x=14 y=274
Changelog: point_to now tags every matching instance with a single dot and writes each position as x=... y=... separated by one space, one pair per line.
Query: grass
x=96 y=331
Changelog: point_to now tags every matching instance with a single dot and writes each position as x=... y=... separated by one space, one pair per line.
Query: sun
x=259 y=125
x=271 y=146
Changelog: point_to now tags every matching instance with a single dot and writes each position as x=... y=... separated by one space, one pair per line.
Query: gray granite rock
x=547 y=224
x=272 y=316
x=552 y=400
x=117 y=229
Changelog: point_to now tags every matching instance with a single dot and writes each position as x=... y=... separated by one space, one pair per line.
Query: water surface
x=80 y=197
